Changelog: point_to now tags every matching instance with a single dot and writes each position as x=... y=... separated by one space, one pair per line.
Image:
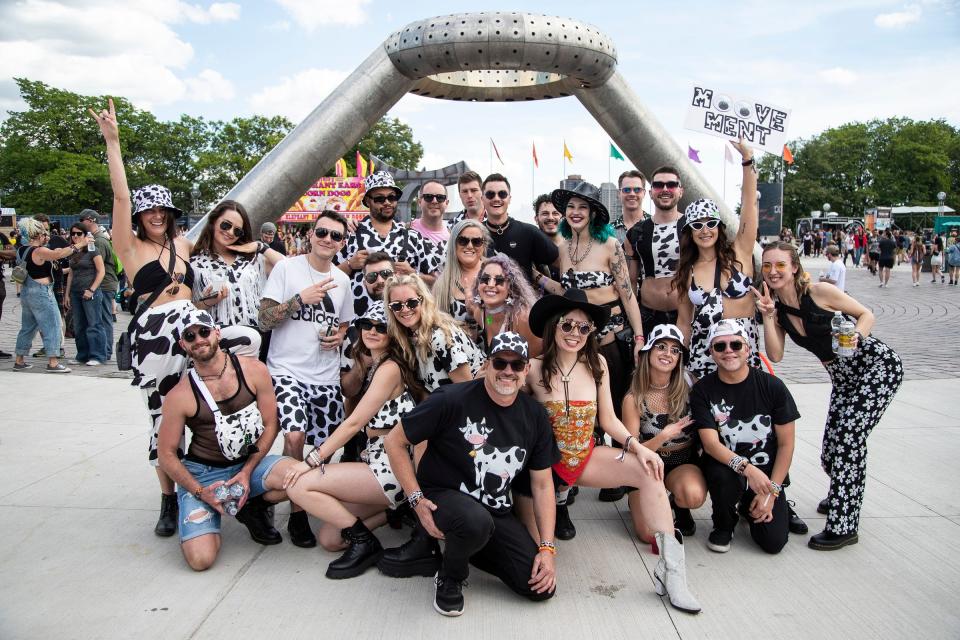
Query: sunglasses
x=502 y=194
x=701 y=224
x=381 y=199
x=464 y=241
x=373 y=275
x=499 y=364
x=780 y=266
x=323 y=232
x=78 y=233
x=669 y=185
x=485 y=278
x=189 y=335
x=673 y=349
x=570 y=326
x=367 y=325
x=720 y=347
x=632 y=189
x=409 y=303
x=229 y=228
x=430 y=197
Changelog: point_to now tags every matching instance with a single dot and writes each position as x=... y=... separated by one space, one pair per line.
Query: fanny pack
x=236 y=432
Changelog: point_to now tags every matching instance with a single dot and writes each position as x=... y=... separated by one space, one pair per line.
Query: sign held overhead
x=727 y=115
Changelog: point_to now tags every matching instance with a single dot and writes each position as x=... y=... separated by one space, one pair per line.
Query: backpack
x=19 y=275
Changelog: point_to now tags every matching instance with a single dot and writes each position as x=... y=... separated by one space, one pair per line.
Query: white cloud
x=209 y=86
x=838 y=76
x=899 y=19
x=296 y=96
x=216 y=12
x=312 y=14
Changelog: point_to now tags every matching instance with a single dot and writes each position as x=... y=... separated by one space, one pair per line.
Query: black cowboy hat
x=549 y=306
x=584 y=190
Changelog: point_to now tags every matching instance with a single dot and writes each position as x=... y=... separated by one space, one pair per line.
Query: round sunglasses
x=485 y=278
x=570 y=326
x=409 y=303
x=189 y=335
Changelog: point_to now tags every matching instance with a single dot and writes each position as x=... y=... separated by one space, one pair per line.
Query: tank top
x=816 y=325
x=37 y=271
x=203 y=442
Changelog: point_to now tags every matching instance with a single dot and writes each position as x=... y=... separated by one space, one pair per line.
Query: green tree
x=390 y=140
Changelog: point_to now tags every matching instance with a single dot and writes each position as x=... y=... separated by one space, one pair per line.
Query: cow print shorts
x=316 y=409
x=378 y=462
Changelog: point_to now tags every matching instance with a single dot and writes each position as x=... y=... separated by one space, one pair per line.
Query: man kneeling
x=479 y=435
x=228 y=403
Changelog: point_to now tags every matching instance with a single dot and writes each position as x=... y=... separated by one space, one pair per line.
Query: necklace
x=653 y=386
x=565 y=379
x=222 y=371
x=573 y=254
x=497 y=228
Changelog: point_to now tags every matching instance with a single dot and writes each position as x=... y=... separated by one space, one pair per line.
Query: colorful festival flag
x=361 y=166
x=615 y=154
x=340 y=168
x=566 y=152
x=693 y=154
x=536 y=162
x=787 y=155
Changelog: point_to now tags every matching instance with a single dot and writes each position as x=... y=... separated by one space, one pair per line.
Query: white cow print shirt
x=245 y=279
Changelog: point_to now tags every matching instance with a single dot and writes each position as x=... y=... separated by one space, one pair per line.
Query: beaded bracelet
x=547 y=546
x=414 y=498
x=738 y=464
x=777 y=488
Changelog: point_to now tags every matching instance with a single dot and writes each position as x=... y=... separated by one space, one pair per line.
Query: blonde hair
x=678 y=392
x=450 y=276
x=431 y=318
x=33 y=228
x=801 y=280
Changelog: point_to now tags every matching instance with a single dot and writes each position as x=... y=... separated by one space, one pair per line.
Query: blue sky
x=830 y=62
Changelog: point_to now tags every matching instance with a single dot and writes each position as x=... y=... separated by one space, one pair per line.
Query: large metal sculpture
x=484 y=57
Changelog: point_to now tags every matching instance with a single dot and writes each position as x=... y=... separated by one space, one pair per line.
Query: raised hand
x=107 y=119
x=745 y=152
x=764 y=300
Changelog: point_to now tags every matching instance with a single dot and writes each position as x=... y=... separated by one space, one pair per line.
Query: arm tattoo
x=620 y=273
x=273 y=313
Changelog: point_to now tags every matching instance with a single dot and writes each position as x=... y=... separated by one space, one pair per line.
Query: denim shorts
x=197 y=518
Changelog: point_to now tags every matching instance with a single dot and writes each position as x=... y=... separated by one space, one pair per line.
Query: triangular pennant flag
x=787 y=156
x=496 y=151
x=693 y=154
x=615 y=154
x=566 y=152
x=536 y=161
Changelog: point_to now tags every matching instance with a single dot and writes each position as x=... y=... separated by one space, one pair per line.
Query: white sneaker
x=93 y=363
x=74 y=361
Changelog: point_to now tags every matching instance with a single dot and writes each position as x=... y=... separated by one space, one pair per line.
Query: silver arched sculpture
x=485 y=57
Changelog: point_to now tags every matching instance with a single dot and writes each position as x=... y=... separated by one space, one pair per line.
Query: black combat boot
x=364 y=552
x=169 y=511
x=257 y=516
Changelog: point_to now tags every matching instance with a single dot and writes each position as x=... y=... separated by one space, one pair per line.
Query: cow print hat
x=702 y=209
x=509 y=341
x=375 y=313
x=197 y=318
x=666 y=332
x=380 y=180
x=154 y=195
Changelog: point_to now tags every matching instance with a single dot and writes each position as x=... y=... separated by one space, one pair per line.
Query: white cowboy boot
x=670 y=576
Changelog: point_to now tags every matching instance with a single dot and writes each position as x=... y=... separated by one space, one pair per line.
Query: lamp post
x=940 y=198
x=195 y=194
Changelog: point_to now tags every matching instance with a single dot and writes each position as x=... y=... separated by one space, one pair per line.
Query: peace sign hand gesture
x=765 y=304
x=107 y=119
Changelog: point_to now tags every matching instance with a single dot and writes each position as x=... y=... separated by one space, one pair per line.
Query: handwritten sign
x=727 y=115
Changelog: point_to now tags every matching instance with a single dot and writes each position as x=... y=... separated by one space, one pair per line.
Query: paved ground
x=78 y=558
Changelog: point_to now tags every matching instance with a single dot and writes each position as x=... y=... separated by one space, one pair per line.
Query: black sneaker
x=795 y=524
x=719 y=541
x=5 y=356
x=449 y=598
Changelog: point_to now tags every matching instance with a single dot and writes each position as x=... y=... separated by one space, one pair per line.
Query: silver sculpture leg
x=343 y=118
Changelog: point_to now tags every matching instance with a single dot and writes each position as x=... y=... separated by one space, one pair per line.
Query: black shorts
x=886 y=263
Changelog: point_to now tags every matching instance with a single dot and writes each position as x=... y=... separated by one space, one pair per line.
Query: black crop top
x=152 y=276
x=816 y=324
x=38 y=271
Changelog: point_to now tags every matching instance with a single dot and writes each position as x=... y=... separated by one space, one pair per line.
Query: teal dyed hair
x=599 y=232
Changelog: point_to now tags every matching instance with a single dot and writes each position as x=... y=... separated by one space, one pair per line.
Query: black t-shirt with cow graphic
x=744 y=414
x=477 y=446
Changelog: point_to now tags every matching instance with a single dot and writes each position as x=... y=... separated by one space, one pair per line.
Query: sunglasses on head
x=780 y=266
x=632 y=189
x=700 y=224
x=409 y=303
x=381 y=199
x=78 y=233
x=674 y=350
x=430 y=197
x=485 y=278
x=323 y=232
x=660 y=185
x=189 y=335
x=372 y=276
x=464 y=241
x=490 y=195
x=225 y=225
x=570 y=326
x=735 y=345
x=367 y=325
x=499 y=364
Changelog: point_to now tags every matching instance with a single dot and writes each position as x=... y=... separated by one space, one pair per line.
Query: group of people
x=470 y=372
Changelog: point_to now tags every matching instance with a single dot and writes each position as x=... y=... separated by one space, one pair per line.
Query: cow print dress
x=375 y=456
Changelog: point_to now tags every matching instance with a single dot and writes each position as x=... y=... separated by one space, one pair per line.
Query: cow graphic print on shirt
x=401 y=244
x=503 y=464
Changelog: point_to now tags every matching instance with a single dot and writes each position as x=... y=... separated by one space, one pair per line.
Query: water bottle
x=91 y=245
x=835 y=331
x=228 y=495
x=847 y=347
